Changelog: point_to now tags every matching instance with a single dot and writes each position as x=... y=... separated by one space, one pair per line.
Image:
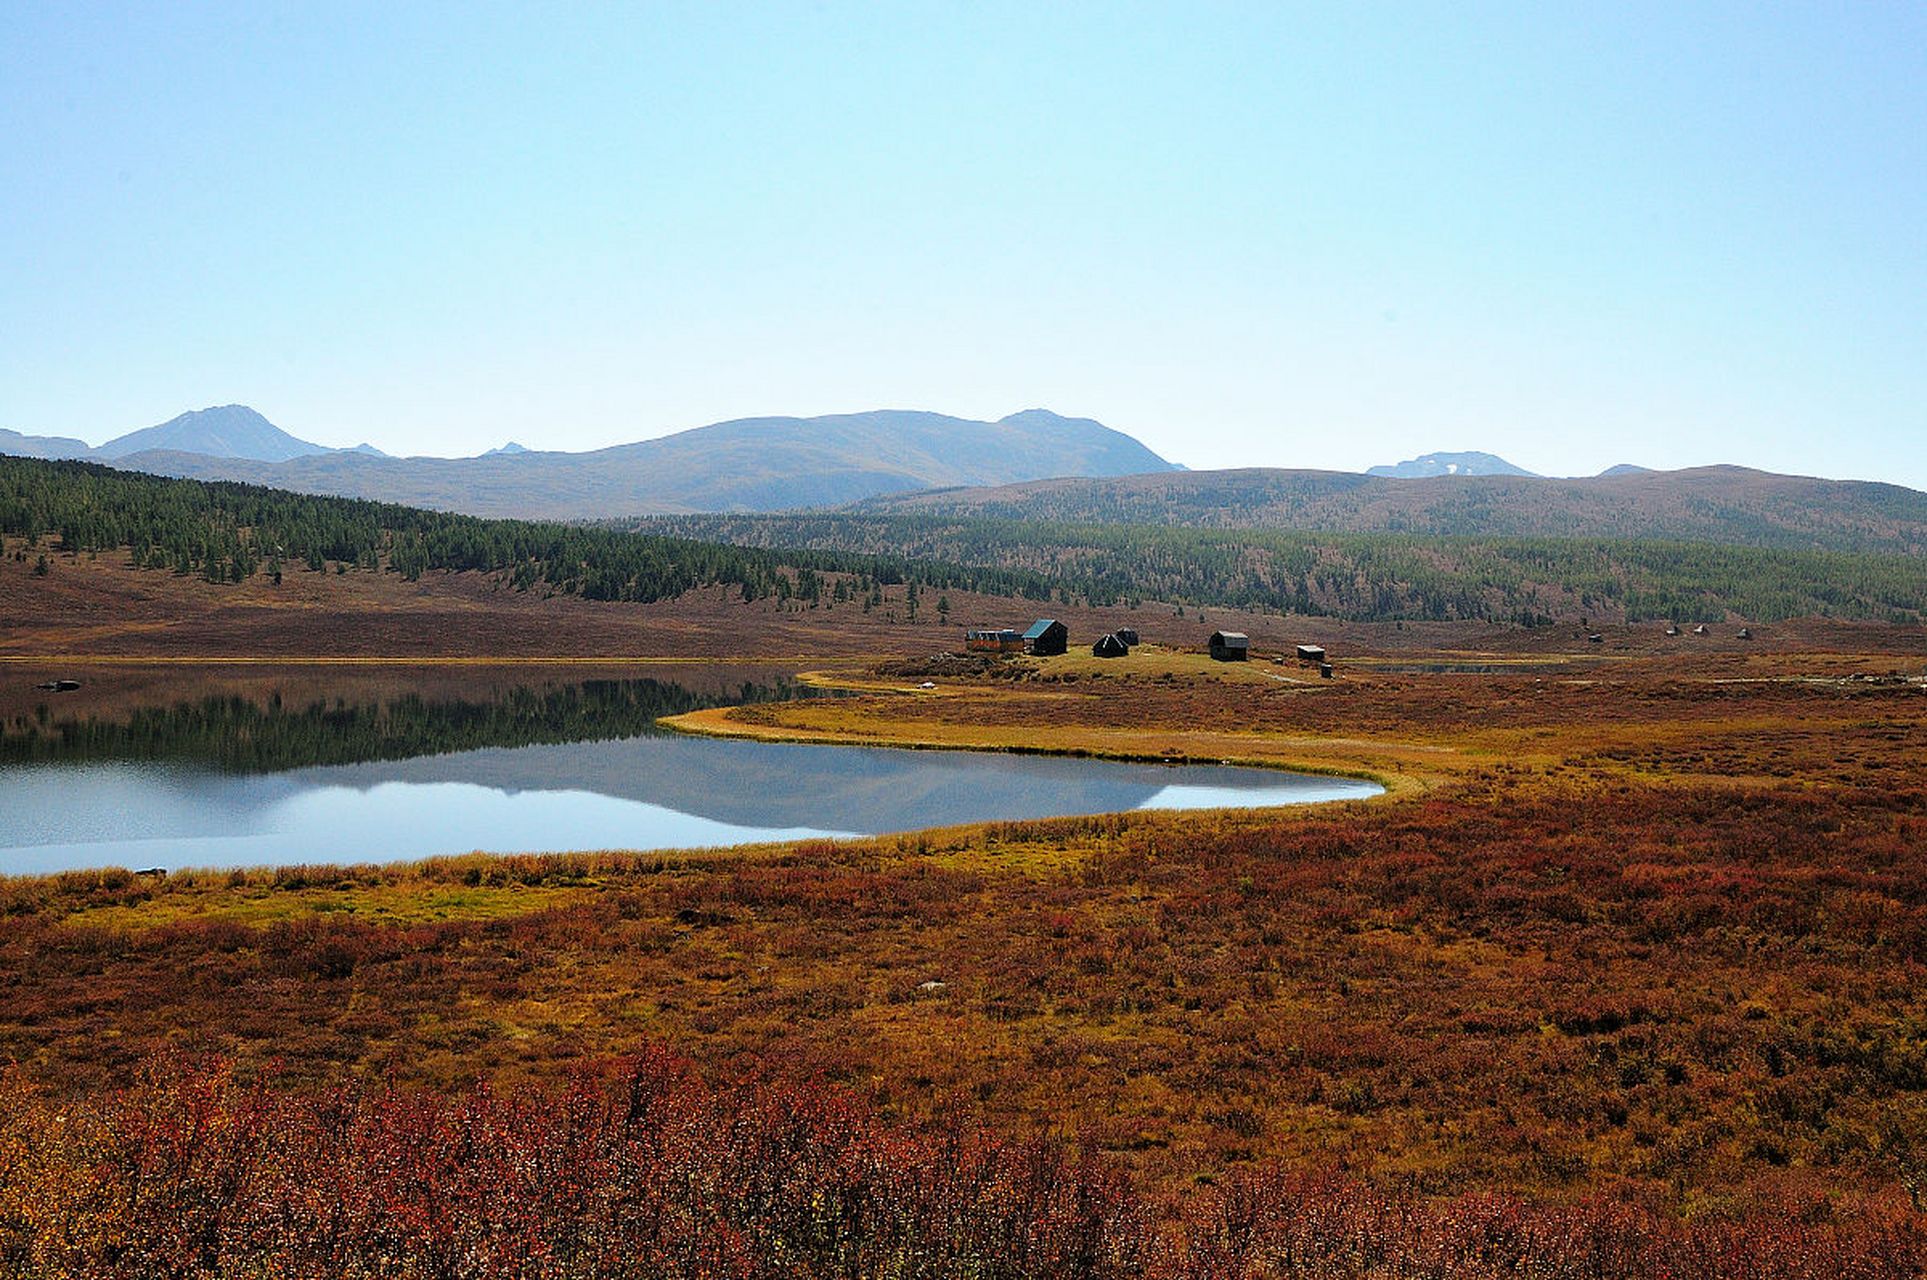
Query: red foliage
x=644 y=1171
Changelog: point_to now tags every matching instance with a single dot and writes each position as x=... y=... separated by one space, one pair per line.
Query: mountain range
x=751 y=464
x=229 y=431
x=1034 y=465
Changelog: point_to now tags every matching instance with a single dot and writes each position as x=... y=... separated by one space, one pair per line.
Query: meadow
x=1621 y=977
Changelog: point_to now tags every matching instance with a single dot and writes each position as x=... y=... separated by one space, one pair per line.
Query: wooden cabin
x=1046 y=636
x=1312 y=653
x=1128 y=635
x=1111 y=646
x=1230 y=646
x=994 y=640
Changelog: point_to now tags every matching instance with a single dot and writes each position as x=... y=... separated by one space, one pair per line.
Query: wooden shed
x=1313 y=653
x=1046 y=636
x=1230 y=646
x=994 y=640
x=1127 y=634
x=1111 y=646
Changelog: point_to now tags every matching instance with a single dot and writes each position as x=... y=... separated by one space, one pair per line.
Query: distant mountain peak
x=504 y=450
x=1038 y=418
x=1626 y=469
x=223 y=431
x=1469 y=463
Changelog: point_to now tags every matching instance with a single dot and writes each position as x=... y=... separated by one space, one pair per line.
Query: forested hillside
x=1728 y=505
x=1372 y=576
x=228 y=532
x=239 y=735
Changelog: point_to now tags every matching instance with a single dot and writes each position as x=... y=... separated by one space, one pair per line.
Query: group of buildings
x=1047 y=637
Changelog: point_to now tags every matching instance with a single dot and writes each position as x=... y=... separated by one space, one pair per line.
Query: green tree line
x=228 y=532
x=241 y=735
x=1371 y=576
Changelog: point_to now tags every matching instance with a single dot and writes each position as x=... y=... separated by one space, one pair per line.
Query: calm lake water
x=232 y=783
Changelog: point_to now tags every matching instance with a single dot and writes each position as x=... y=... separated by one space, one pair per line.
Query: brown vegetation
x=1637 y=938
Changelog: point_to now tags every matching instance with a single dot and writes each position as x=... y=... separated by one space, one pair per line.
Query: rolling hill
x=53 y=447
x=752 y=464
x=226 y=533
x=1732 y=505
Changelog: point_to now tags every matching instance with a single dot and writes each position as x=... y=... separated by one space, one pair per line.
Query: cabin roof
x=1233 y=638
x=1039 y=627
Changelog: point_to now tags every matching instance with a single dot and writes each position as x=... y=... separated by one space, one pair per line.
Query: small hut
x=1746 y=633
x=1046 y=636
x=1313 y=654
x=1230 y=646
x=994 y=640
x=1111 y=646
x=1700 y=630
x=1128 y=635
x=1672 y=630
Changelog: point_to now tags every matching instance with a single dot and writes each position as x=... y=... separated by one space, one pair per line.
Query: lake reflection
x=645 y=790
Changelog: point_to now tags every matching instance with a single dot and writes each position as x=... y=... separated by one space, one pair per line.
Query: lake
x=228 y=781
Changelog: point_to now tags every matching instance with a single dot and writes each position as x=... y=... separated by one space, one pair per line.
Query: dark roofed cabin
x=1311 y=653
x=1046 y=636
x=1230 y=646
x=1111 y=646
x=1127 y=635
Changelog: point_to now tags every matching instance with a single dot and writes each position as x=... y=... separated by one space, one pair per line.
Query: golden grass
x=1658 y=929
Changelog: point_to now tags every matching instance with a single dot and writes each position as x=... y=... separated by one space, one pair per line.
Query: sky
x=1260 y=234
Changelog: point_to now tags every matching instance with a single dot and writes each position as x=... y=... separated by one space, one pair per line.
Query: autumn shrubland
x=1622 y=977
x=638 y=1168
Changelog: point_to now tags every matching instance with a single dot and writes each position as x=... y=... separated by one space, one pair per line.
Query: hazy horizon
x=1670 y=236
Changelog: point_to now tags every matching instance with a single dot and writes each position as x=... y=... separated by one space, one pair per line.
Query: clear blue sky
x=1253 y=234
